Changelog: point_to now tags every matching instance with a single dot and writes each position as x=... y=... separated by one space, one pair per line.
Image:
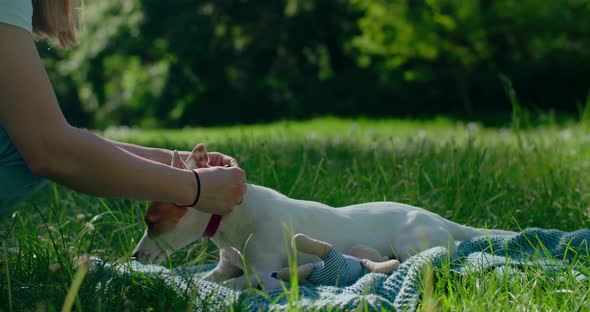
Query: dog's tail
x=463 y=232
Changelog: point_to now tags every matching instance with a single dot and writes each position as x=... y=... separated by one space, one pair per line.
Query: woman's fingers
x=240 y=196
x=219 y=159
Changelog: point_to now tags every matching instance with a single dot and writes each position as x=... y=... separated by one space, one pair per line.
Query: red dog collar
x=212 y=226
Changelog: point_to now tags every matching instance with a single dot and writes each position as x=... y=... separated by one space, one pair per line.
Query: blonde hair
x=54 y=19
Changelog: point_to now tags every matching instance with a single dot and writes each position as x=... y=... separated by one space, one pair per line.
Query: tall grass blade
x=75 y=287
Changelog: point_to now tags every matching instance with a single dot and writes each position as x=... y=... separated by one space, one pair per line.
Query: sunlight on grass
x=465 y=172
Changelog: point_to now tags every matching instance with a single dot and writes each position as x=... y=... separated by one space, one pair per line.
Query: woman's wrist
x=190 y=190
x=198 y=192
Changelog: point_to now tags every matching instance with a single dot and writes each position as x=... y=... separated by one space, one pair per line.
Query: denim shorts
x=16 y=180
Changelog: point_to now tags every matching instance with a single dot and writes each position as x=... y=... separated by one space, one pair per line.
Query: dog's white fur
x=258 y=229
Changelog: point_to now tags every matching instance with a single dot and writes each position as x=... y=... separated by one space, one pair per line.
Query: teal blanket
x=551 y=249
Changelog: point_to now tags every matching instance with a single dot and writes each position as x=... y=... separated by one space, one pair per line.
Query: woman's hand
x=222 y=189
x=219 y=159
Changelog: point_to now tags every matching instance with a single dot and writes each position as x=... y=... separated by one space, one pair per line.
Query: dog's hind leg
x=421 y=238
x=366 y=252
x=222 y=272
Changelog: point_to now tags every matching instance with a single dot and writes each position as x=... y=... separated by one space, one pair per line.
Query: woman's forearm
x=160 y=155
x=111 y=171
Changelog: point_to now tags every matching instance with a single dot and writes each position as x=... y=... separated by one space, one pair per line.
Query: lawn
x=509 y=178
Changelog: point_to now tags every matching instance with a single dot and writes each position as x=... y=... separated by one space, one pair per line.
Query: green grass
x=493 y=177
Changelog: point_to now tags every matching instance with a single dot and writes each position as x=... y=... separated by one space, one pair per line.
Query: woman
x=36 y=142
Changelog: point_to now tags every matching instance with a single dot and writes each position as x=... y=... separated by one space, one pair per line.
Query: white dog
x=257 y=229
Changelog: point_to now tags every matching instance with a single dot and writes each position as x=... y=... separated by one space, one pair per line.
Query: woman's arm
x=81 y=160
x=164 y=156
x=159 y=155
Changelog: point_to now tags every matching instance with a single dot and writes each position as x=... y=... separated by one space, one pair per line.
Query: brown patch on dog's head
x=163 y=217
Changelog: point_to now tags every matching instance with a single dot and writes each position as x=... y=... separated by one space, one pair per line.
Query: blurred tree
x=152 y=63
x=468 y=43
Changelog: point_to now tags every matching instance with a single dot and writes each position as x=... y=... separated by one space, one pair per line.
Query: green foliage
x=153 y=63
x=470 y=42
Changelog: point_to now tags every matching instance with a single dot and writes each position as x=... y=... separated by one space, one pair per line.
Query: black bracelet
x=198 y=190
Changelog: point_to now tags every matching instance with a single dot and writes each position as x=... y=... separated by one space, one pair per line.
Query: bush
x=152 y=63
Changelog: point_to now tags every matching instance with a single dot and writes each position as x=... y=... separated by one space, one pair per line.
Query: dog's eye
x=150 y=224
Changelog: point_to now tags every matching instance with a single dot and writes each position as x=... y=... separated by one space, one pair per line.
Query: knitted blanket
x=550 y=249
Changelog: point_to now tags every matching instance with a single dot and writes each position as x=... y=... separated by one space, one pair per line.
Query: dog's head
x=169 y=226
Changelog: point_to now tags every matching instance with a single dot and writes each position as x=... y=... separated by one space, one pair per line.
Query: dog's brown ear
x=198 y=158
x=177 y=161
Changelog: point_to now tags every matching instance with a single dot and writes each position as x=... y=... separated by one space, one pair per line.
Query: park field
x=510 y=177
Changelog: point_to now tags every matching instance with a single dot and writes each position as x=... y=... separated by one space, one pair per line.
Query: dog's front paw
x=214 y=276
x=219 y=274
x=241 y=283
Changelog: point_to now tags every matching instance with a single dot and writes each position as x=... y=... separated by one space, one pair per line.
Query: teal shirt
x=16 y=180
